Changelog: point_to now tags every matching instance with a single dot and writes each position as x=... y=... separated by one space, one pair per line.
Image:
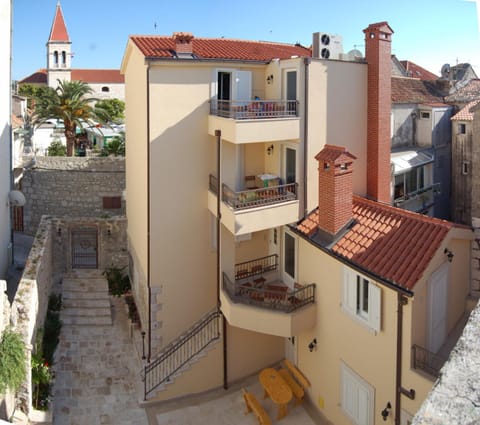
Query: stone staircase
x=85 y=299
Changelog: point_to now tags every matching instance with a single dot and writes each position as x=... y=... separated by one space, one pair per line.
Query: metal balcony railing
x=428 y=362
x=256 y=267
x=254 y=109
x=270 y=296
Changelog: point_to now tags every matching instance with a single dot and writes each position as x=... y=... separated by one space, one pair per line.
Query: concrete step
x=85 y=285
x=87 y=320
x=78 y=295
x=73 y=302
x=89 y=311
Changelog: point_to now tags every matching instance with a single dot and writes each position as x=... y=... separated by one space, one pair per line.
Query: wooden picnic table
x=277 y=389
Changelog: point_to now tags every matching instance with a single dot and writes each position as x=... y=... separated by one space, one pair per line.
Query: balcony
x=419 y=201
x=257 y=300
x=253 y=210
x=254 y=121
x=426 y=361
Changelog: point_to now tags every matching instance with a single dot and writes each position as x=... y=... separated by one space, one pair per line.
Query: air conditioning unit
x=327 y=46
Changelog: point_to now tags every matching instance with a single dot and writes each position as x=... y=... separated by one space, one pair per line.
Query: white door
x=289 y=165
x=437 y=306
x=242 y=87
x=289 y=258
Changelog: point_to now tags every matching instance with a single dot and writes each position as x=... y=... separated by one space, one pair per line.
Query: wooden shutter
x=349 y=296
x=374 y=307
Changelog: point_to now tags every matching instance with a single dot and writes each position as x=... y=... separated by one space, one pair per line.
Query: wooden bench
x=299 y=376
x=253 y=405
x=297 y=390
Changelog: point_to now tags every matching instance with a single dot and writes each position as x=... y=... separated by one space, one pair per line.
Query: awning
x=406 y=160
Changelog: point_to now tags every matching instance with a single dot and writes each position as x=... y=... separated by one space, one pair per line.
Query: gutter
x=307 y=61
x=149 y=287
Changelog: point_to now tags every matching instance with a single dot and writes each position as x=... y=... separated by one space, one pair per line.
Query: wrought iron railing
x=254 y=109
x=270 y=296
x=177 y=354
x=424 y=360
x=256 y=267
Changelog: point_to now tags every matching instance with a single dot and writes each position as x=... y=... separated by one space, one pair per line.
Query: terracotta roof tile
x=392 y=243
x=416 y=71
x=467 y=93
x=220 y=48
x=98 y=75
x=413 y=90
x=38 y=77
x=59 y=29
x=465 y=113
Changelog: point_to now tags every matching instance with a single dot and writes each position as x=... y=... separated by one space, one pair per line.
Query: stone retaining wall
x=71 y=187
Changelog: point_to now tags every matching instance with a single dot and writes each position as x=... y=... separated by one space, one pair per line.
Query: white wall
x=5 y=130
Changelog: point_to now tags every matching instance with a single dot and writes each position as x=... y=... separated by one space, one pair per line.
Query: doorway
x=289 y=259
x=437 y=308
x=84 y=246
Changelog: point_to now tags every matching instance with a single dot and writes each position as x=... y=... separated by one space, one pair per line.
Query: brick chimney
x=335 y=189
x=183 y=43
x=378 y=56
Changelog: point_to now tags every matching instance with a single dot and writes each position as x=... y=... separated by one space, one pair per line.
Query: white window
x=358 y=397
x=361 y=299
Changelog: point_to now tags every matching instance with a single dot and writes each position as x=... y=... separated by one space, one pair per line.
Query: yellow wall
x=341 y=338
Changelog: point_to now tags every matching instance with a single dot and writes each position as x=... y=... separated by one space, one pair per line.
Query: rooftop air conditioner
x=326 y=46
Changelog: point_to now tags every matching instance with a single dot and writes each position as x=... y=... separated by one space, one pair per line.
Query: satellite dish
x=16 y=198
x=354 y=54
x=445 y=71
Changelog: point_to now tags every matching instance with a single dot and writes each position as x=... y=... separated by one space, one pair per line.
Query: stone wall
x=71 y=187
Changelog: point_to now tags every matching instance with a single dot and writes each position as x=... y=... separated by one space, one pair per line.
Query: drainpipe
x=401 y=301
x=306 y=62
x=218 y=135
x=149 y=287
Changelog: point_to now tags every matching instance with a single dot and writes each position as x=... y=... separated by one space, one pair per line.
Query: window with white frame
x=358 y=397
x=362 y=299
x=410 y=182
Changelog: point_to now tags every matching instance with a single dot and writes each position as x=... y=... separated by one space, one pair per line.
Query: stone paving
x=96 y=374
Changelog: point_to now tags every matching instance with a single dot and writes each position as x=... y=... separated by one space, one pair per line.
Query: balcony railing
x=256 y=267
x=428 y=362
x=254 y=109
x=255 y=197
x=270 y=296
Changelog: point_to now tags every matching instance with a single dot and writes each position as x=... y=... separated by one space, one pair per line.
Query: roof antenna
x=155 y=26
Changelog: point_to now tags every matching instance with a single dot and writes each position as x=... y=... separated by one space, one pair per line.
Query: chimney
x=335 y=189
x=183 y=43
x=378 y=56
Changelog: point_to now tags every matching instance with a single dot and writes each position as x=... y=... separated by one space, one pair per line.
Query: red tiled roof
x=38 y=77
x=392 y=243
x=220 y=48
x=59 y=29
x=416 y=71
x=85 y=75
x=98 y=75
x=467 y=93
x=413 y=90
x=465 y=114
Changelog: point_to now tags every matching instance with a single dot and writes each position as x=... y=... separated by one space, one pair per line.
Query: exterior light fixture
x=386 y=411
x=312 y=345
x=449 y=254
x=270 y=79
x=270 y=150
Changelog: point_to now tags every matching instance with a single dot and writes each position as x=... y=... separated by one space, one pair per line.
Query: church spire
x=59 y=29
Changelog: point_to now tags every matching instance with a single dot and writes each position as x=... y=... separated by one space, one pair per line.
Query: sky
x=427 y=32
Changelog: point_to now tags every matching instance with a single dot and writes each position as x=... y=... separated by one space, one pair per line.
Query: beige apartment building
x=227 y=140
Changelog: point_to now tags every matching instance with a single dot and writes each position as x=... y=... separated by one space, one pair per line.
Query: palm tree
x=70 y=103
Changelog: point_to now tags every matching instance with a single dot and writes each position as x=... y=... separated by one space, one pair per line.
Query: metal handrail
x=254 y=109
x=177 y=354
x=269 y=298
x=256 y=267
x=427 y=361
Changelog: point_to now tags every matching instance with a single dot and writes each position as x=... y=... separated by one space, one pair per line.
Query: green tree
x=70 y=103
x=32 y=92
x=56 y=148
x=13 y=366
x=114 y=107
x=115 y=147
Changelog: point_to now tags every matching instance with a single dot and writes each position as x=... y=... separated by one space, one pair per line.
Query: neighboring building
x=105 y=83
x=233 y=127
x=5 y=135
x=421 y=147
x=463 y=164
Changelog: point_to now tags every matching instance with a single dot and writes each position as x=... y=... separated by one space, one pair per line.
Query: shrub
x=56 y=148
x=12 y=361
x=118 y=282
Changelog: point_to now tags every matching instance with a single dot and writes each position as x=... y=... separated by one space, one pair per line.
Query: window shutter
x=374 y=307
x=349 y=301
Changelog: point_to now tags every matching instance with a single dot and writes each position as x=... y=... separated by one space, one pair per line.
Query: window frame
x=352 y=302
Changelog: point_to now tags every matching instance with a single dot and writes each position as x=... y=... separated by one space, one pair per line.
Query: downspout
x=306 y=62
x=401 y=301
x=218 y=135
x=149 y=287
